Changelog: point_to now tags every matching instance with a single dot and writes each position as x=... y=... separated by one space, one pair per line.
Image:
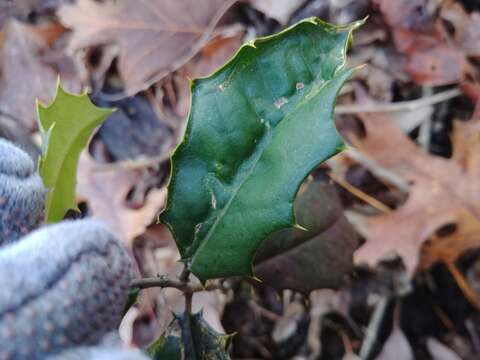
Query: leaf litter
x=419 y=160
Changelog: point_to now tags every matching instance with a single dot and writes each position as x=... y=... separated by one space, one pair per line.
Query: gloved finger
x=62 y=286
x=110 y=348
x=22 y=194
x=100 y=353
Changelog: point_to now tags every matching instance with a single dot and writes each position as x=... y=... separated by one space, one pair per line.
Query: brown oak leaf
x=280 y=10
x=213 y=55
x=30 y=69
x=155 y=37
x=106 y=192
x=441 y=189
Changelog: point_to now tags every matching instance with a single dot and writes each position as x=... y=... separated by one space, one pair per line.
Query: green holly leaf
x=256 y=129
x=190 y=337
x=168 y=346
x=65 y=126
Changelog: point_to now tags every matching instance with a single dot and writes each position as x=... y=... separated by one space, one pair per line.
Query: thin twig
x=373 y=327
x=164 y=282
x=347 y=343
x=377 y=170
x=400 y=105
x=160 y=281
x=462 y=283
x=443 y=317
x=425 y=133
x=370 y=200
x=140 y=163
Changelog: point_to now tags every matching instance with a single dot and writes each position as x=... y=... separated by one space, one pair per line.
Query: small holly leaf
x=190 y=337
x=319 y=257
x=65 y=125
x=256 y=129
x=168 y=346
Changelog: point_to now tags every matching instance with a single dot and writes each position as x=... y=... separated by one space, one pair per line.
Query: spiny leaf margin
x=66 y=125
x=189 y=256
x=189 y=336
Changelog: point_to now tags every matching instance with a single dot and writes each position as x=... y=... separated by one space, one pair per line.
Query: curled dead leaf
x=155 y=37
x=30 y=71
x=441 y=189
x=106 y=193
x=318 y=257
x=396 y=347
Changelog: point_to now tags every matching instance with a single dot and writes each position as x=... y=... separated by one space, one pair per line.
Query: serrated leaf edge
x=195 y=82
x=46 y=133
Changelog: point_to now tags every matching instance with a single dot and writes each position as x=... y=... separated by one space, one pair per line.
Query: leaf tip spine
x=299 y=227
x=251 y=43
x=341 y=147
x=255 y=278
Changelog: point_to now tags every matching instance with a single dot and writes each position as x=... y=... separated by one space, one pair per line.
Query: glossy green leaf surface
x=256 y=128
x=168 y=346
x=65 y=125
x=190 y=337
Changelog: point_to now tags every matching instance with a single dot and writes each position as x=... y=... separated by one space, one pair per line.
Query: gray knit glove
x=21 y=194
x=63 y=287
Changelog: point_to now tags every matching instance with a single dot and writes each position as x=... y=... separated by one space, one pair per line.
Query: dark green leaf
x=256 y=128
x=317 y=258
x=66 y=125
x=189 y=337
x=168 y=346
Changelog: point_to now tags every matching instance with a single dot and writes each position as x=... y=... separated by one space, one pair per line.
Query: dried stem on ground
x=399 y=106
x=135 y=164
x=370 y=200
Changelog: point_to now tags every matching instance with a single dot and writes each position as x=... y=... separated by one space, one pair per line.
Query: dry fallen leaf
x=216 y=52
x=404 y=14
x=470 y=36
x=287 y=325
x=396 y=347
x=447 y=248
x=155 y=37
x=30 y=70
x=441 y=190
x=106 y=193
x=434 y=56
x=438 y=351
x=439 y=65
x=320 y=256
x=322 y=302
x=22 y=9
x=467 y=32
x=213 y=55
x=280 y=10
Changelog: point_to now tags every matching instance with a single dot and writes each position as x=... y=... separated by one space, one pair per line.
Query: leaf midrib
x=303 y=101
x=57 y=174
